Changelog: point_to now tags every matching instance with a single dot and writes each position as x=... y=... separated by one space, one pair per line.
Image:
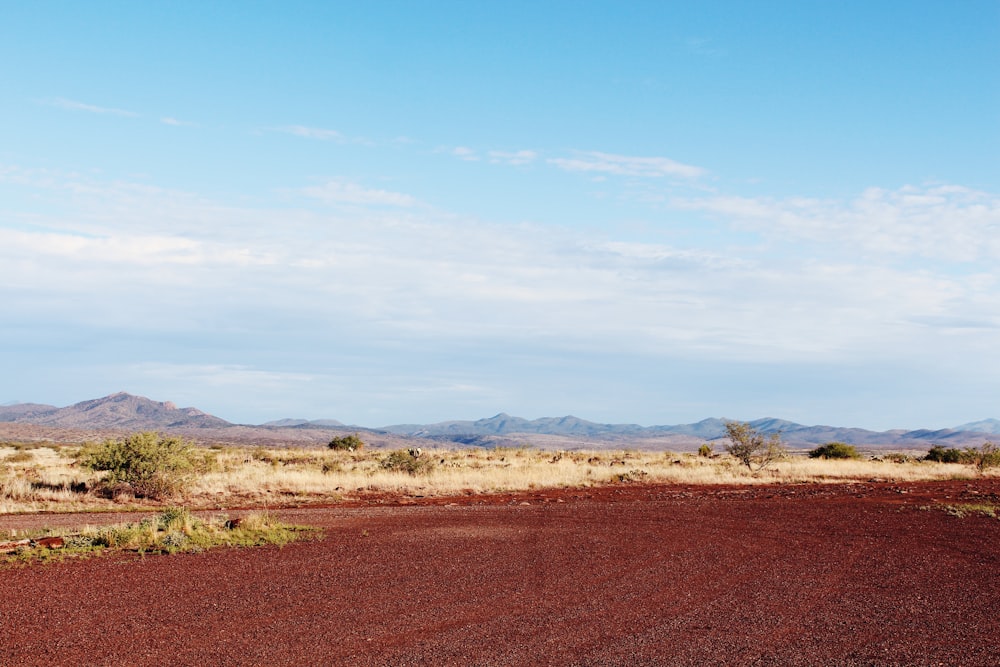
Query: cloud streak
x=318 y=133
x=342 y=192
x=168 y=120
x=624 y=165
x=943 y=222
x=513 y=158
x=73 y=105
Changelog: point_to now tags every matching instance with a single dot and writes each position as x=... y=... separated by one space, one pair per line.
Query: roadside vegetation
x=151 y=471
x=174 y=530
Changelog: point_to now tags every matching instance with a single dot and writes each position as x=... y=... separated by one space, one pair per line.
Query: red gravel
x=632 y=575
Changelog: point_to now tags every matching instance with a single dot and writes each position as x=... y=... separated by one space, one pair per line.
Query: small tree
x=987 y=456
x=835 y=450
x=939 y=454
x=751 y=447
x=346 y=443
x=152 y=465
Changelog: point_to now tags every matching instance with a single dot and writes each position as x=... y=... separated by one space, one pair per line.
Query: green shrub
x=410 y=461
x=347 y=443
x=939 y=454
x=987 y=456
x=835 y=450
x=705 y=450
x=153 y=466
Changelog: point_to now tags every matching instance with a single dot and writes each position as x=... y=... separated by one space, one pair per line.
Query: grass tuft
x=174 y=530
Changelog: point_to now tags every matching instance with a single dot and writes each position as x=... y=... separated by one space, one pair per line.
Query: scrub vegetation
x=69 y=478
x=174 y=530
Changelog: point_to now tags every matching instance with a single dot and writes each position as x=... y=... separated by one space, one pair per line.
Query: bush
x=987 y=456
x=410 y=461
x=751 y=447
x=347 y=443
x=705 y=450
x=153 y=466
x=983 y=457
x=835 y=450
x=939 y=454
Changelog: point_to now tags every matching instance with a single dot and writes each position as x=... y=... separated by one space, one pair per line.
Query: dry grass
x=174 y=530
x=49 y=480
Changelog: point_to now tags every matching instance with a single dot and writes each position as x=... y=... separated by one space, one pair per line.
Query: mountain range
x=123 y=411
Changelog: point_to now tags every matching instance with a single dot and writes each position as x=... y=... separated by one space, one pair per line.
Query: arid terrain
x=810 y=574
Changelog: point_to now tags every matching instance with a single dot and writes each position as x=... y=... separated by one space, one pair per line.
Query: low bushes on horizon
x=986 y=456
x=835 y=450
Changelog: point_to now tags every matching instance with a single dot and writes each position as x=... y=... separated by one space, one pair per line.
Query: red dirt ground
x=629 y=575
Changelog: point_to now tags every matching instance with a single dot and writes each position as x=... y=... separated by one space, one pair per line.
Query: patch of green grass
x=964 y=509
x=172 y=531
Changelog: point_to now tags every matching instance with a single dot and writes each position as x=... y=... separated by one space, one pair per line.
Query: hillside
x=126 y=412
x=117 y=411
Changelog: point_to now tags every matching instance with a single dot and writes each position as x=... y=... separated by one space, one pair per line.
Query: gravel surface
x=630 y=575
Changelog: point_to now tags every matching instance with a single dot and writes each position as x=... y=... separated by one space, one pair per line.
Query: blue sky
x=394 y=212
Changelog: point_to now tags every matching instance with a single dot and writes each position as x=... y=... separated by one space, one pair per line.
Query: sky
x=408 y=212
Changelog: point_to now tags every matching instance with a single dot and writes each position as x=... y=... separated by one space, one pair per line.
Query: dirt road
x=629 y=575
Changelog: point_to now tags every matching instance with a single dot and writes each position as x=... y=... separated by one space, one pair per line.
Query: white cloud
x=219 y=375
x=514 y=158
x=624 y=165
x=73 y=105
x=417 y=279
x=312 y=132
x=167 y=120
x=944 y=222
x=464 y=153
x=340 y=192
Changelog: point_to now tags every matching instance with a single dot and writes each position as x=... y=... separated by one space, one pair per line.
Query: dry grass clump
x=174 y=530
x=246 y=476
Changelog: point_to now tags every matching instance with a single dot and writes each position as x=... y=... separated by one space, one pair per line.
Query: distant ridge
x=303 y=423
x=117 y=411
x=983 y=426
x=123 y=411
x=705 y=430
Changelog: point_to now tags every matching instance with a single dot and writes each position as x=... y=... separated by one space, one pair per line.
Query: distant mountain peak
x=120 y=410
x=991 y=426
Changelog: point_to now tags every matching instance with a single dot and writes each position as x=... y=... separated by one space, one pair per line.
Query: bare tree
x=752 y=447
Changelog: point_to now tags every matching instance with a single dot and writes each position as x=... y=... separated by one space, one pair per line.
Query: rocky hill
x=125 y=412
x=117 y=411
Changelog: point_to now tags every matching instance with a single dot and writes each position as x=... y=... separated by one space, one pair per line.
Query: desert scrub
x=412 y=461
x=347 y=443
x=151 y=465
x=987 y=456
x=174 y=530
x=835 y=450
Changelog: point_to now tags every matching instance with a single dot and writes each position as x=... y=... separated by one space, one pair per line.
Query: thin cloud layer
x=339 y=192
x=319 y=133
x=624 y=165
x=944 y=222
x=73 y=105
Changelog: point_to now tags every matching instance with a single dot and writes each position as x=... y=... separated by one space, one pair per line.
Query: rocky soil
x=857 y=574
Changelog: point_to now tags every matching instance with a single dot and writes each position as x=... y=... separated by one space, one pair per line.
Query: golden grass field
x=36 y=478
